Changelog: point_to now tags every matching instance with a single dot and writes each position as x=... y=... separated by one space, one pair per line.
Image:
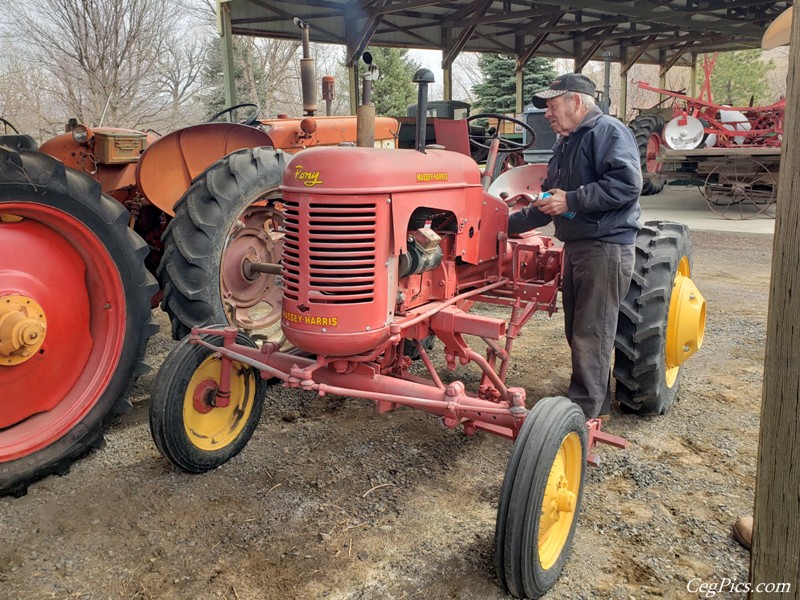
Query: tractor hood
x=349 y=170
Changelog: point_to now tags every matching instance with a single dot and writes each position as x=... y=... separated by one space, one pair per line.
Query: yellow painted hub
x=560 y=500
x=686 y=322
x=22 y=329
x=209 y=427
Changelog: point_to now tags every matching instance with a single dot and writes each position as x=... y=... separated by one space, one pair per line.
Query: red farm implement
x=732 y=151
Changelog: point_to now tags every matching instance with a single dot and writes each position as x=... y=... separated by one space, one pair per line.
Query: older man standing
x=594 y=179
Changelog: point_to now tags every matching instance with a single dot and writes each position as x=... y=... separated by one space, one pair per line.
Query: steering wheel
x=505 y=143
x=249 y=121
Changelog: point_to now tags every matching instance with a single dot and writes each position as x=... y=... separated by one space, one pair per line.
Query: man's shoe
x=605 y=418
x=743 y=531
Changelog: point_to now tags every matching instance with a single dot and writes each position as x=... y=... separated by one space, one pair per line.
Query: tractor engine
x=370 y=232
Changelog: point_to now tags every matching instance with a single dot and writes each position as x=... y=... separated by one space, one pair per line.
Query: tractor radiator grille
x=329 y=253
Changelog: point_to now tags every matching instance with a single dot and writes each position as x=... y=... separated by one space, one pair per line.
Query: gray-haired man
x=595 y=174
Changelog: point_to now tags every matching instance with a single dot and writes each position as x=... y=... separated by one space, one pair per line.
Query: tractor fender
x=168 y=166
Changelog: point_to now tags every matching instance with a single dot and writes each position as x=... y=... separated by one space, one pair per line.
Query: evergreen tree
x=497 y=92
x=212 y=95
x=739 y=76
x=394 y=90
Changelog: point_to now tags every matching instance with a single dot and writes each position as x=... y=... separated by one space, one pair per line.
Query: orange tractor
x=85 y=222
x=386 y=249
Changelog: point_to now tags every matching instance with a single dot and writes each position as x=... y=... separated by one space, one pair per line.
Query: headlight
x=80 y=133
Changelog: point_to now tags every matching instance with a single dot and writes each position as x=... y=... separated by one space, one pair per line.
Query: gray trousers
x=596 y=278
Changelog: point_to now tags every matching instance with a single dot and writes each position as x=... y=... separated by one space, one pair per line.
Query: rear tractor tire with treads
x=74 y=316
x=647 y=130
x=661 y=320
x=227 y=219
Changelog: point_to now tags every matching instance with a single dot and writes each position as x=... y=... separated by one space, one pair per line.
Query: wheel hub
x=22 y=329
x=565 y=499
x=203 y=397
x=687 y=320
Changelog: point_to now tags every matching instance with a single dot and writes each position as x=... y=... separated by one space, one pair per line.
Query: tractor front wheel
x=226 y=222
x=188 y=426
x=661 y=321
x=541 y=497
x=74 y=316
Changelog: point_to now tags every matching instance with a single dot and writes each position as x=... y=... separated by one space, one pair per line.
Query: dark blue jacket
x=598 y=166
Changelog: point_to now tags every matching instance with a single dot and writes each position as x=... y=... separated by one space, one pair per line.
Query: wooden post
x=447 y=82
x=226 y=42
x=776 y=535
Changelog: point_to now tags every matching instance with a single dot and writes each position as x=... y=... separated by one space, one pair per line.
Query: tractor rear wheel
x=186 y=425
x=541 y=497
x=647 y=129
x=74 y=315
x=226 y=221
x=661 y=320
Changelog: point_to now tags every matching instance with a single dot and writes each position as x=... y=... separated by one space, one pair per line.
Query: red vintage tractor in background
x=75 y=296
x=383 y=249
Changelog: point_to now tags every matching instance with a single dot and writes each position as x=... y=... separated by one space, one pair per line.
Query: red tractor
x=203 y=207
x=384 y=250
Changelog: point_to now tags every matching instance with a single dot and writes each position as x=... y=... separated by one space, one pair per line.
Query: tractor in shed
x=88 y=218
x=390 y=248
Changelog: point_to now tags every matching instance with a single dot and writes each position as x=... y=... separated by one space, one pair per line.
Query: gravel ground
x=329 y=500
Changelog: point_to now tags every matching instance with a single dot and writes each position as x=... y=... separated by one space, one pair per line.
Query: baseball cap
x=569 y=82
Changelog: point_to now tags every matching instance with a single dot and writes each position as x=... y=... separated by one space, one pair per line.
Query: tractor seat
x=452 y=134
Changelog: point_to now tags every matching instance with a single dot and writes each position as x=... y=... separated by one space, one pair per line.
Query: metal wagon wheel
x=740 y=189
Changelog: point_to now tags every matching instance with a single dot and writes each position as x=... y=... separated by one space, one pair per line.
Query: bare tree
x=269 y=74
x=330 y=61
x=466 y=75
x=177 y=78
x=113 y=62
x=20 y=105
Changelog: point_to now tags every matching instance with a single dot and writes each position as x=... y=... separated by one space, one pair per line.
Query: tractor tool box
x=119 y=147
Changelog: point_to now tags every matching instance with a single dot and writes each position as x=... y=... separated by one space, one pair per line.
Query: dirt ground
x=330 y=500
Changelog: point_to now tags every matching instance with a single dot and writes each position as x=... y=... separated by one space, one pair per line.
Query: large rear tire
x=74 y=316
x=661 y=320
x=647 y=129
x=187 y=428
x=541 y=497
x=226 y=219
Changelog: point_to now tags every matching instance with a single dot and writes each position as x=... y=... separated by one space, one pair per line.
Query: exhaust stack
x=308 y=77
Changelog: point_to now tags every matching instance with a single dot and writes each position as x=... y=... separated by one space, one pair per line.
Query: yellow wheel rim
x=686 y=322
x=209 y=427
x=560 y=500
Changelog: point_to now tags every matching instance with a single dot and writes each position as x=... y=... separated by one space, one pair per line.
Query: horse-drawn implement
x=732 y=152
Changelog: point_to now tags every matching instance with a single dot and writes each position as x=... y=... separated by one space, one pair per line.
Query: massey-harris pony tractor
x=82 y=220
x=384 y=249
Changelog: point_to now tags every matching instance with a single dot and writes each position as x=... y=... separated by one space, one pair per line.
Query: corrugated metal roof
x=664 y=32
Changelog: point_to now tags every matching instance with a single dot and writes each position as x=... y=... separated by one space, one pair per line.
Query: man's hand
x=556 y=204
